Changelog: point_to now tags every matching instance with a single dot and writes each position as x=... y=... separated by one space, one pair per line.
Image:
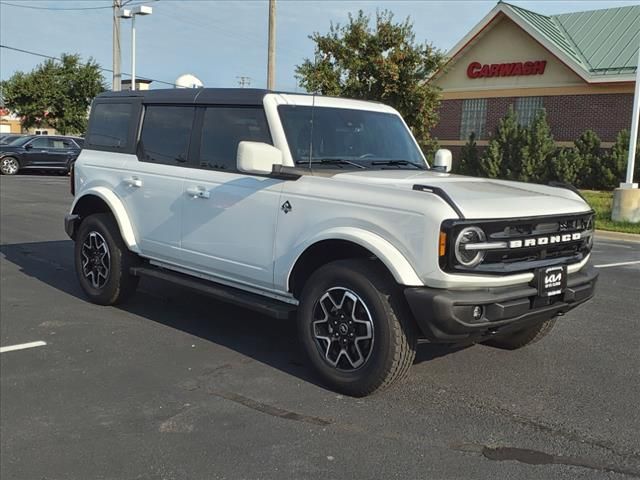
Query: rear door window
x=61 y=144
x=166 y=133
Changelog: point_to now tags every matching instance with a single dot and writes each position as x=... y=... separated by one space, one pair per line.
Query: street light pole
x=132 y=13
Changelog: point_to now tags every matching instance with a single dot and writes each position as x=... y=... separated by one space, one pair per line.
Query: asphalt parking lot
x=174 y=385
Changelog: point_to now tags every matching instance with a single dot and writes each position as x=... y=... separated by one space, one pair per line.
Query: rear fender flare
x=117 y=209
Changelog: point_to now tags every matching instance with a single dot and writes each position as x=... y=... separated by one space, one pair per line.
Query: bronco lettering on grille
x=533 y=242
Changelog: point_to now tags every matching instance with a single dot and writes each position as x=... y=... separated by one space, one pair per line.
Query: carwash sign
x=514 y=69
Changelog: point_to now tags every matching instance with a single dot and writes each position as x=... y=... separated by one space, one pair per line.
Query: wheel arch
x=346 y=243
x=102 y=200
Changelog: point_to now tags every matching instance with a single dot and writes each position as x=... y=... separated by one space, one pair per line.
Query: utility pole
x=244 y=81
x=271 y=60
x=117 y=76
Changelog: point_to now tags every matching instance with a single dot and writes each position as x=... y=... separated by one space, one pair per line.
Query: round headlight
x=469 y=236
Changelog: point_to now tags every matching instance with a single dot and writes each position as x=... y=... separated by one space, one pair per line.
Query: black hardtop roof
x=210 y=96
x=221 y=96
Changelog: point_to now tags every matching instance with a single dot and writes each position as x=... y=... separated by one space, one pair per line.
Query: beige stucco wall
x=504 y=42
x=10 y=125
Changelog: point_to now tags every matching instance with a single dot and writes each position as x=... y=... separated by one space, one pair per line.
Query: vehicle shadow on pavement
x=263 y=339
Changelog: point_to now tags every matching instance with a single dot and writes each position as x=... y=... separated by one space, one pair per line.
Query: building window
x=474 y=118
x=527 y=108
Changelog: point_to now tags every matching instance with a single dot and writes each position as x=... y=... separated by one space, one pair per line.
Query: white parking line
x=22 y=346
x=608 y=244
x=619 y=264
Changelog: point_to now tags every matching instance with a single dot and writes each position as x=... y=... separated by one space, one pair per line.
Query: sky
x=219 y=41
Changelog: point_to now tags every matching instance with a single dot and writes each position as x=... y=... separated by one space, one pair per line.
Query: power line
x=223 y=28
x=70 y=9
x=33 y=7
x=59 y=60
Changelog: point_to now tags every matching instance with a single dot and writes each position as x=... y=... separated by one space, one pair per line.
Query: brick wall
x=568 y=115
x=448 y=126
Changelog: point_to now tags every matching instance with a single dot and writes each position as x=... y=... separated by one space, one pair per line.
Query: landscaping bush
x=529 y=154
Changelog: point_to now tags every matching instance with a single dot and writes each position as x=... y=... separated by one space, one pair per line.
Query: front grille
x=539 y=242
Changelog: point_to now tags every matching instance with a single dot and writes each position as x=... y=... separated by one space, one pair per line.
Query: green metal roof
x=602 y=42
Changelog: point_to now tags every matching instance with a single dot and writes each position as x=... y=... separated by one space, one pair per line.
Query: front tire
x=9 y=166
x=103 y=261
x=524 y=337
x=355 y=327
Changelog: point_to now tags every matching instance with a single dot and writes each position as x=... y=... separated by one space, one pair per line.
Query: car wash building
x=580 y=67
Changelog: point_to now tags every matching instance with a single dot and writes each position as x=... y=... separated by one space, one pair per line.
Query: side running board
x=251 y=301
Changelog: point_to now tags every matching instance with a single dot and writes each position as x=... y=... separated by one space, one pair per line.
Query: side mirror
x=257 y=157
x=28 y=146
x=442 y=161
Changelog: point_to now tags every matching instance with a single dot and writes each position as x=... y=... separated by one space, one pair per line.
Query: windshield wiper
x=329 y=161
x=398 y=162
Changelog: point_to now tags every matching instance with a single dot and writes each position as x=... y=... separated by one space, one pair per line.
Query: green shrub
x=538 y=150
x=565 y=167
x=529 y=154
x=469 y=158
x=503 y=156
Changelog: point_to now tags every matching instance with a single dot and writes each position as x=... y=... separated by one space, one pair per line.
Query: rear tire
x=355 y=327
x=524 y=337
x=103 y=261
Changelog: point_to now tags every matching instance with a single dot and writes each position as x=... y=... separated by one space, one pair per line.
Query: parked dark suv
x=39 y=152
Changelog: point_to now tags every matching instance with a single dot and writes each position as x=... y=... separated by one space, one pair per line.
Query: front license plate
x=552 y=280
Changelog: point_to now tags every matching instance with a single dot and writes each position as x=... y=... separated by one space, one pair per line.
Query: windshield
x=348 y=138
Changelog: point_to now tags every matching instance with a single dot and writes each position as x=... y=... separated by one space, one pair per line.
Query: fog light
x=477 y=312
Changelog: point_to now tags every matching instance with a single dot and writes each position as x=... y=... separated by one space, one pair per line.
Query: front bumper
x=447 y=315
x=71 y=222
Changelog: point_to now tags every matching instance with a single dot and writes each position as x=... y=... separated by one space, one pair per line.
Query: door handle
x=198 y=192
x=133 y=182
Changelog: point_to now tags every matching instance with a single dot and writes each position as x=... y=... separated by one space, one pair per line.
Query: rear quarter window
x=110 y=126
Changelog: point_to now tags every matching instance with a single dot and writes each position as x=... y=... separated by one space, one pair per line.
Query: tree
x=619 y=155
x=55 y=94
x=565 y=167
x=381 y=63
x=538 y=151
x=503 y=156
x=589 y=151
x=469 y=163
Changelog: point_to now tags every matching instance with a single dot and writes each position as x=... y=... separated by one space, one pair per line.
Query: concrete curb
x=625 y=237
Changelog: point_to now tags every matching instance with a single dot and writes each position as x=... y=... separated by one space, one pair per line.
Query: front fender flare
x=395 y=261
x=117 y=209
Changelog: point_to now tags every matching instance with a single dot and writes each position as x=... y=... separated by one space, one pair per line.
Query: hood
x=10 y=148
x=479 y=197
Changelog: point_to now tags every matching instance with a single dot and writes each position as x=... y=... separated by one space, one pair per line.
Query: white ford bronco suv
x=327 y=207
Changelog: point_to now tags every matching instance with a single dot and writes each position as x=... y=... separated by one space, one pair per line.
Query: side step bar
x=251 y=301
